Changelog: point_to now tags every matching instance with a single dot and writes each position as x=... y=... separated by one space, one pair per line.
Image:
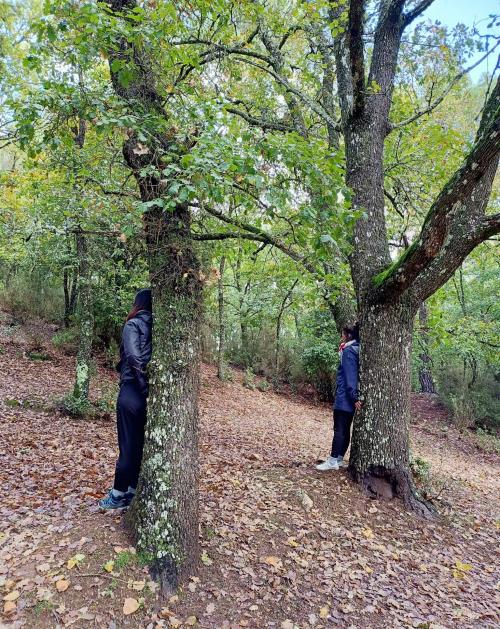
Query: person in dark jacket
x=347 y=400
x=135 y=354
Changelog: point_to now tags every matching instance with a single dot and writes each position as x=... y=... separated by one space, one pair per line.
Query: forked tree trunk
x=85 y=321
x=380 y=449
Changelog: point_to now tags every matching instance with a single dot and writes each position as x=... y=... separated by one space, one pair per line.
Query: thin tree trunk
x=66 y=298
x=424 y=369
x=222 y=332
x=85 y=321
x=284 y=305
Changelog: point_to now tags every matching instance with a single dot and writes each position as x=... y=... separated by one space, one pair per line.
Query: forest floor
x=283 y=545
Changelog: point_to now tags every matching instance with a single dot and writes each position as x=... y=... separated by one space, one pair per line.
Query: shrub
x=66 y=340
x=263 y=385
x=420 y=469
x=320 y=361
x=249 y=379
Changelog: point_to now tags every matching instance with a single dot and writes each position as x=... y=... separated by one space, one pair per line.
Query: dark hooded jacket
x=135 y=348
x=347 y=391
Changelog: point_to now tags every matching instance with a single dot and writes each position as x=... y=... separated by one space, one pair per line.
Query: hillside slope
x=283 y=545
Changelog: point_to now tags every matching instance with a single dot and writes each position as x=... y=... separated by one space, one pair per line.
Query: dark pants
x=342 y=421
x=131 y=420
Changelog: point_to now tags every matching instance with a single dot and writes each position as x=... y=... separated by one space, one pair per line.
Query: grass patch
x=38 y=356
x=43 y=606
x=487 y=442
x=124 y=559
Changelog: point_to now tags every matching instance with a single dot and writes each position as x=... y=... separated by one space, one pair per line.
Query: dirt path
x=283 y=545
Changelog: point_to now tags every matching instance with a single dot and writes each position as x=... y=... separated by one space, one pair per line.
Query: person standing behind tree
x=347 y=400
x=135 y=354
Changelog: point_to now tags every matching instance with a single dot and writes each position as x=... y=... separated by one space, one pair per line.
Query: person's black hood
x=143 y=300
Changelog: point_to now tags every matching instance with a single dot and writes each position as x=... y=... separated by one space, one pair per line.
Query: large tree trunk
x=380 y=449
x=85 y=322
x=165 y=510
x=164 y=513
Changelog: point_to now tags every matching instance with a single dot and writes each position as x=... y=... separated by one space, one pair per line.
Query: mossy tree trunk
x=389 y=294
x=85 y=322
x=164 y=513
x=165 y=510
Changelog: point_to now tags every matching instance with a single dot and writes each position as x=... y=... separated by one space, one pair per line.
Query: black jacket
x=135 y=350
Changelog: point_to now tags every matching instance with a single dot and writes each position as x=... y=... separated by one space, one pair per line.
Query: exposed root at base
x=381 y=482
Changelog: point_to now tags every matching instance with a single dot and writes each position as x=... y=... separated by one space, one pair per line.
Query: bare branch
x=264 y=123
x=452 y=84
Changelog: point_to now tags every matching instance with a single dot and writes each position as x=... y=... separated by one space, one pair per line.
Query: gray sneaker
x=331 y=463
x=110 y=502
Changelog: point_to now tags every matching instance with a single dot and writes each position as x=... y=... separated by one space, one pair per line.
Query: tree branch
x=456 y=215
x=263 y=123
x=439 y=100
x=357 y=54
x=412 y=15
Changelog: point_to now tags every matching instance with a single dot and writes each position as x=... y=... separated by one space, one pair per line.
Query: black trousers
x=342 y=421
x=131 y=421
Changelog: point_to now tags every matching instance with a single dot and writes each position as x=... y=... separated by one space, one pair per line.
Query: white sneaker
x=330 y=464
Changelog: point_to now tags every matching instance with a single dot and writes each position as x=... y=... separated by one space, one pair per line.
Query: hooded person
x=347 y=400
x=131 y=405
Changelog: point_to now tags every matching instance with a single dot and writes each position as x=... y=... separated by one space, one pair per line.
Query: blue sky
x=468 y=12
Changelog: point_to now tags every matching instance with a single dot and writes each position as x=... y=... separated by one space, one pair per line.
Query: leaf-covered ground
x=282 y=545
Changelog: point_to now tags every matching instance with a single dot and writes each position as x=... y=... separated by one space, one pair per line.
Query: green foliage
x=249 y=379
x=420 y=469
x=263 y=385
x=78 y=407
x=66 y=340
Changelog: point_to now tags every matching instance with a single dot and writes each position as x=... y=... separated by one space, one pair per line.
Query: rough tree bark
x=389 y=295
x=164 y=513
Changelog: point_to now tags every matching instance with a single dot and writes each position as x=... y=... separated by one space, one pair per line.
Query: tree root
x=381 y=482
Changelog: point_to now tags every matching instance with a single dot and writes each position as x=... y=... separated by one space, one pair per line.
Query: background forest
x=71 y=246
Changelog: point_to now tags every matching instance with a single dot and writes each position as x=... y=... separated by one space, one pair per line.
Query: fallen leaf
x=109 y=566
x=206 y=559
x=75 y=561
x=12 y=596
x=368 y=533
x=273 y=561
x=191 y=621
x=43 y=567
x=210 y=608
x=9 y=607
x=323 y=612
x=138 y=585
x=62 y=585
x=130 y=606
